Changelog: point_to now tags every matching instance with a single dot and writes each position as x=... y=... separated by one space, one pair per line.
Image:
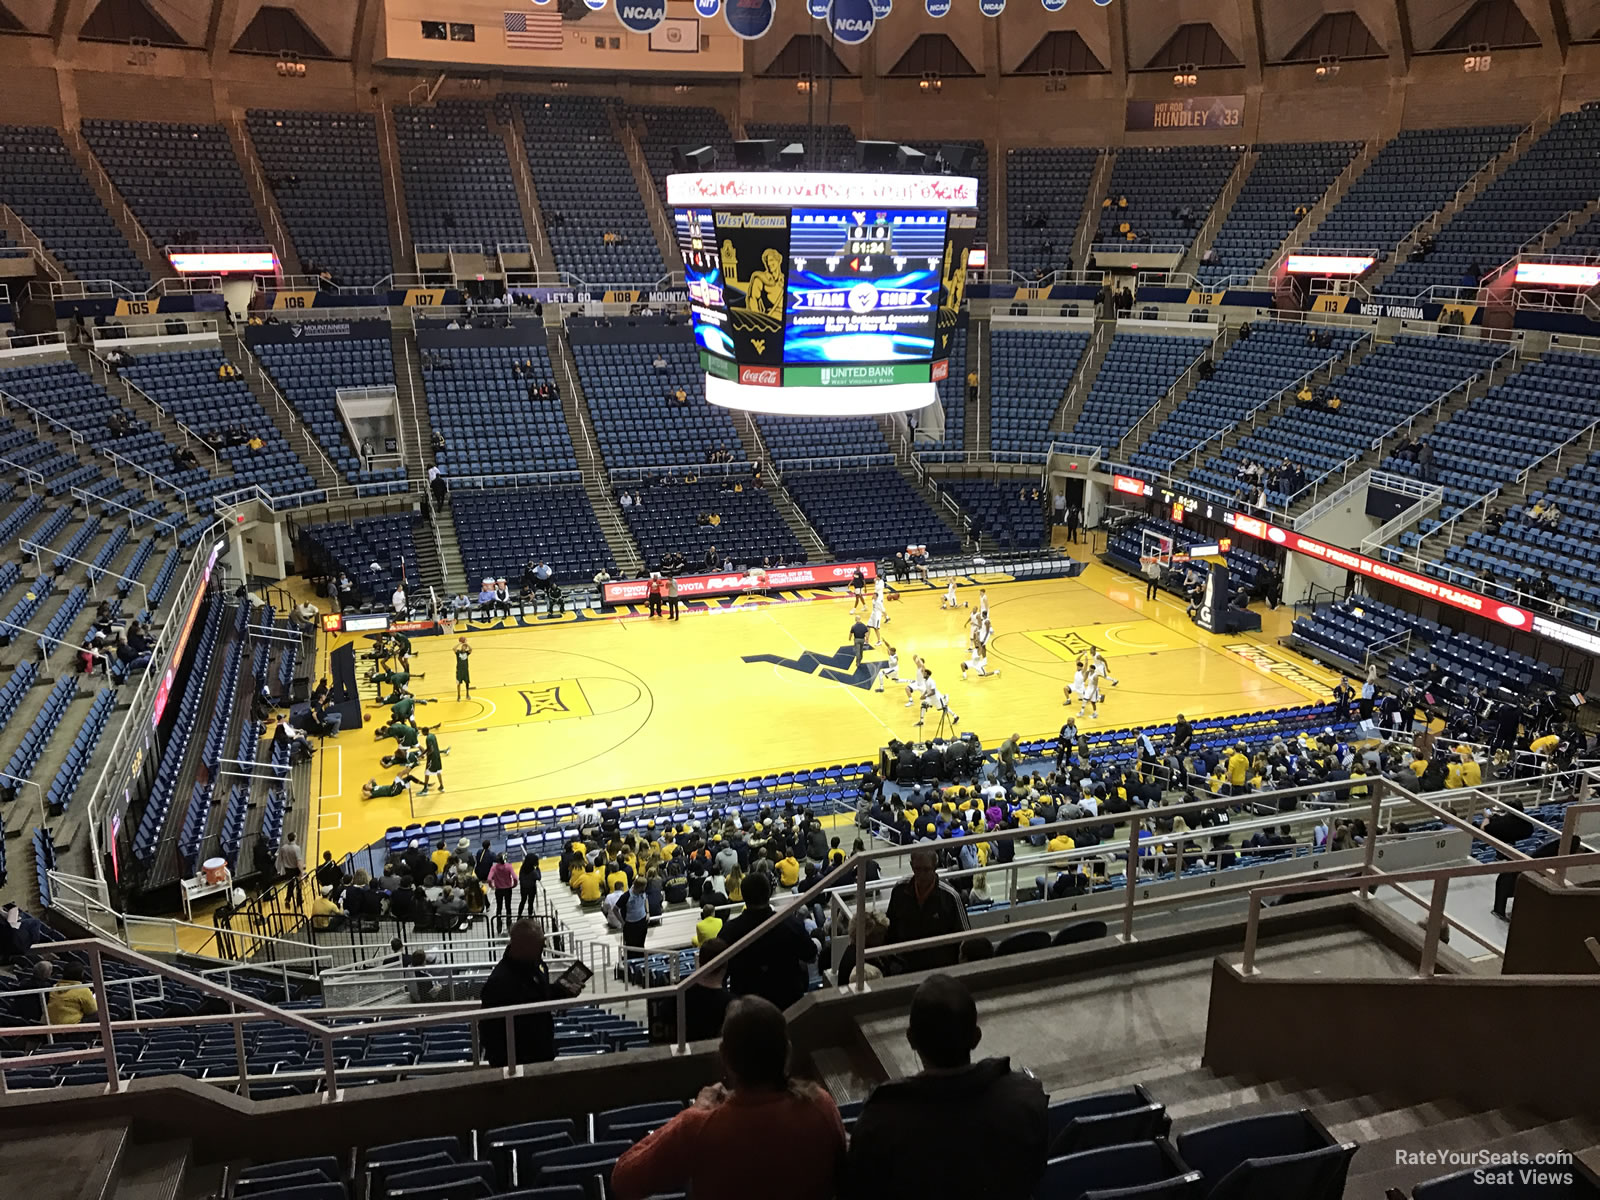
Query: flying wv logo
x=836 y=667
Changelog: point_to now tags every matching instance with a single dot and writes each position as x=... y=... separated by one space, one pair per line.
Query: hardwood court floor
x=604 y=707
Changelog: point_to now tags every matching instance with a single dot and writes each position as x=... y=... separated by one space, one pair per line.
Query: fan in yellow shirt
x=788 y=871
x=708 y=926
x=1061 y=841
x=1545 y=745
x=591 y=886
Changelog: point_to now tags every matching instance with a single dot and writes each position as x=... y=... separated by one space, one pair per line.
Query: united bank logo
x=837 y=667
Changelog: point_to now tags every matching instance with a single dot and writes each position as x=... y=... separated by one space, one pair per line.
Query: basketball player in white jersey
x=933 y=698
x=979 y=659
x=1091 y=695
x=950 y=600
x=1101 y=668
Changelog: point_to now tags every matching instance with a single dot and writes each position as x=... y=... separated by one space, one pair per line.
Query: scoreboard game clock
x=823 y=294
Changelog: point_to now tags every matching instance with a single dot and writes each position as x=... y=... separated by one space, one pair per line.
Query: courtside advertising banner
x=731 y=583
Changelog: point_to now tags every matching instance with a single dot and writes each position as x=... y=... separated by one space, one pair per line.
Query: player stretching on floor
x=919 y=668
x=979 y=659
x=372 y=788
x=950 y=600
x=888 y=669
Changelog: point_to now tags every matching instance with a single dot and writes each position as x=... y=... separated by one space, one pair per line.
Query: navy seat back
x=456 y=1181
x=1112 y=1129
x=1062 y=1111
x=327 y=1166
x=1310 y=1175
x=1081 y=931
x=650 y=1116
x=1216 y=1149
x=1180 y=1187
x=1132 y=1164
x=1022 y=943
x=310 y=1191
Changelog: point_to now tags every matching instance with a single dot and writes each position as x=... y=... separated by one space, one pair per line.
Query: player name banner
x=636 y=591
x=1192 y=114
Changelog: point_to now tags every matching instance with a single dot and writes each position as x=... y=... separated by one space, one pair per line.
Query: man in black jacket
x=520 y=977
x=772 y=966
x=924 y=906
x=1510 y=828
x=996 y=1108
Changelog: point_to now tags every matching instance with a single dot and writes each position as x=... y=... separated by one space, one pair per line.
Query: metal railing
x=1180 y=389
x=1385 y=804
x=19 y=229
x=86 y=155
x=110 y=335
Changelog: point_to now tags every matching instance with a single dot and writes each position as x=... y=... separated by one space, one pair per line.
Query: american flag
x=533 y=31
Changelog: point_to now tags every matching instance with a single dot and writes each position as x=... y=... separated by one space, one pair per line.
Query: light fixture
x=1186 y=76
x=802 y=85
x=930 y=82
x=1478 y=59
x=1327 y=66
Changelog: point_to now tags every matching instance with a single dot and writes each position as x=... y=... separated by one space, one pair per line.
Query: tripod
x=945 y=726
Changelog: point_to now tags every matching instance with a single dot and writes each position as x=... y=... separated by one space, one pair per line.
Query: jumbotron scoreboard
x=820 y=293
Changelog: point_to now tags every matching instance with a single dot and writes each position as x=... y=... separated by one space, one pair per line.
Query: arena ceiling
x=1255 y=33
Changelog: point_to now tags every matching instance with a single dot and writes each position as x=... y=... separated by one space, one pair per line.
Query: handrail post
x=511 y=1047
x=682 y=1046
x=330 y=1070
x=238 y=1045
x=858 y=931
x=103 y=1005
x=1132 y=873
x=1252 y=929
x=1430 y=940
x=1370 y=846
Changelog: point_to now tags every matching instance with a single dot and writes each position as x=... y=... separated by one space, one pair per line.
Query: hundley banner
x=635 y=591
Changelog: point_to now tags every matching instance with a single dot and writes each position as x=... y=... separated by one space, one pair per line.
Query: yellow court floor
x=604 y=707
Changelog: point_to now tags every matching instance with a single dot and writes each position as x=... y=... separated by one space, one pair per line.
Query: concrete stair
x=1083 y=378
x=1089 y=222
x=756 y=451
x=1485 y=175
x=1335 y=193
x=411 y=397
x=1424 y=425
x=17 y=230
x=1235 y=434
x=261 y=195
x=660 y=219
x=516 y=135
x=975 y=428
x=580 y=429
x=1173 y=396
x=300 y=438
x=111 y=200
x=395 y=192
x=1219 y=212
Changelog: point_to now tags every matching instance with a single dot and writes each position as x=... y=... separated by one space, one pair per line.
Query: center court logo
x=835 y=668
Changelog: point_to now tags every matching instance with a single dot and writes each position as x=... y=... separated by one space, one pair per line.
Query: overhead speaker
x=694 y=158
x=793 y=156
x=958 y=160
x=912 y=160
x=878 y=156
x=755 y=154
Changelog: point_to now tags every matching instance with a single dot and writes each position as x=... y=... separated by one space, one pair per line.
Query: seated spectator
x=1001 y=1110
x=706 y=1003
x=71 y=1001
x=725 y=1140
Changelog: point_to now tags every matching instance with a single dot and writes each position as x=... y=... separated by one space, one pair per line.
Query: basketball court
x=578 y=708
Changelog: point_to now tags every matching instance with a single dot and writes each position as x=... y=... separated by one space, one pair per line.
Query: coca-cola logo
x=941 y=370
x=761 y=376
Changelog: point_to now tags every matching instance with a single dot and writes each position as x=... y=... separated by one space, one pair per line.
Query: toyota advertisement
x=733 y=583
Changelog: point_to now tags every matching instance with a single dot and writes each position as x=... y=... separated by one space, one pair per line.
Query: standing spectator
x=520 y=977
x=672 y=597
x=725 y=1140
x=291 y=865
x=1059 y=505
x=1001 y=1110
x=772 y=966
x=924 y=906
x=635 y=908
x=504 y=881
x=528 y=884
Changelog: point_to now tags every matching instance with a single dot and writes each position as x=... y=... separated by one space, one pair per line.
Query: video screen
x=702 y=275
x=753 y=247
x=863 y=285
